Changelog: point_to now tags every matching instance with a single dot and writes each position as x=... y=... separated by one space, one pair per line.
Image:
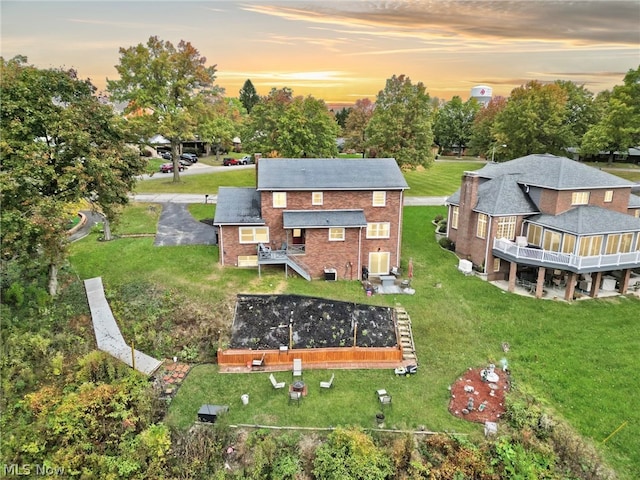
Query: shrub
x=447 y=243
x=438 y=218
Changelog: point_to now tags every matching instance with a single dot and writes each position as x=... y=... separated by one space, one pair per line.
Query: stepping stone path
x=171 y=374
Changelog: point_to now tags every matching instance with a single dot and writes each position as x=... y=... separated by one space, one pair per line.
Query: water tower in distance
x=482 y=93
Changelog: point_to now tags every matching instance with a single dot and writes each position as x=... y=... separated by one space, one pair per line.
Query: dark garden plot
x=267 y=322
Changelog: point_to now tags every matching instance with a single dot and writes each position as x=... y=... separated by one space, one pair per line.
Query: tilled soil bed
x=264 y=322
x=487 y=407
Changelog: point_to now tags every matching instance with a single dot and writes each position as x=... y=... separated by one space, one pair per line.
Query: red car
x=230 y=161
x=168 y=167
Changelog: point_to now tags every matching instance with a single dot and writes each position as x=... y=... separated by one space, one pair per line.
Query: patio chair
x=295 y=397
x=275 y=383
x=383 y=397
x=297 y=367
x=258 y=362
x=328 y=384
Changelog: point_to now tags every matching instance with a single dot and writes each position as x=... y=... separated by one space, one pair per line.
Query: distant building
x=482 y=93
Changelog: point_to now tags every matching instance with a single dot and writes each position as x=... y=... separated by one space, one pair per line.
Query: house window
x=378 y=230
x=551 y=241
x=580 y=198
x=608 y=196
x=534 y=234
x=254 y=234
x=506 y=228
x=279 y=199
x=454 y=217
x=316 y=198
x=590 y=246
x=247 y=260
x=637 y=213
x=619 y=243
x=336 y=234
x=481 y=227
x=568 y=243
x=496 y=264
x=379 y=199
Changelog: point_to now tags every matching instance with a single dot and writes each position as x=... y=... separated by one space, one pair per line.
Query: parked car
x=246 y=160
x=166 y=155
x=189 y=157
x=230 y=161
x=168 y=167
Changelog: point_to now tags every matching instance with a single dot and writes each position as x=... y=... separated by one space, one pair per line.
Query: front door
x=379 y=263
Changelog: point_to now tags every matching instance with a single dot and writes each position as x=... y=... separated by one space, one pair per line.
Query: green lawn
x=441 y=179
x=578 y=359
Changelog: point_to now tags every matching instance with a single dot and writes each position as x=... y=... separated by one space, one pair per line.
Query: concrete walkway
x=108 y=336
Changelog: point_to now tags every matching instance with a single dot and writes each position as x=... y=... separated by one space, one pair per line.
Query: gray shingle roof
x=504 y=196
x=323 y=218
x=330 y=174
x=550 y=171
x=238 y=206
x=588 y=220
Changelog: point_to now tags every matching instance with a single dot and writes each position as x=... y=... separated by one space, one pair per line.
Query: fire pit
x=297 y=386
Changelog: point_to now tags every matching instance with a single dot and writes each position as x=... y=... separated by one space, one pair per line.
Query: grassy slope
x=580 y=358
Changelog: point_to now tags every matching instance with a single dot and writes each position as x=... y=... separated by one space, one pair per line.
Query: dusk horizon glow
x=343 y=51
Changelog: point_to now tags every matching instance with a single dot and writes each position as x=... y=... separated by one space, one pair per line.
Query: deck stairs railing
x=266 y=256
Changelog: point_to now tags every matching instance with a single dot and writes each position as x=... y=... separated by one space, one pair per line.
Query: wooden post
x=133 y=356
x=355 y=334
x=290 y=336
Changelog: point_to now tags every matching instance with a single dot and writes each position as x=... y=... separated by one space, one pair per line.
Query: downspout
x=489 y=240
x=359 y=253
x=399 y=239
x=221 y=245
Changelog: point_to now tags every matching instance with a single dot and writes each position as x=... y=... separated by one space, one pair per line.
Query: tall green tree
x=342 y=115
x=454 y=123
x=356 y=125
x=619 y=125
x=401 y=125
x=534 y=121
x=248 y=96
x=60 y=145
x=165 y=87
x=286 y=126
x=581 y=110
x=219 y=121
x=481 y=142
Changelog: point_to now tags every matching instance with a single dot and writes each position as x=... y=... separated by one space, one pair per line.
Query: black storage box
x=209 y=413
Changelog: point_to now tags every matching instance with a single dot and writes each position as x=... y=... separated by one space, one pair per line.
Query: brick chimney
x=257 y=157
x=466 y=225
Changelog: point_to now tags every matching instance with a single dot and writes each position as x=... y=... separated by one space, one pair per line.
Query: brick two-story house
x=323 y=218
x=543 y=219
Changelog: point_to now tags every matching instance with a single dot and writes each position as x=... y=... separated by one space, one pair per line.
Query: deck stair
x=405 y=335
x=280 y=257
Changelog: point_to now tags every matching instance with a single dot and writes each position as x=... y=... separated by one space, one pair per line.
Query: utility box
x=209 y=413
x=330 y=274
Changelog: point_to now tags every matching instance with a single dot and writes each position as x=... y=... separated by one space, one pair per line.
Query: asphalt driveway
x=176 y=226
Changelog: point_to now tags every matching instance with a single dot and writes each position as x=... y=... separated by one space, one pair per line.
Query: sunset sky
x=341 y=51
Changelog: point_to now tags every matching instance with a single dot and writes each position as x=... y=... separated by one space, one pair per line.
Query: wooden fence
x=318 y=357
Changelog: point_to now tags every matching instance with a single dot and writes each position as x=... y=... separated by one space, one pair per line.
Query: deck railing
x=620 y=260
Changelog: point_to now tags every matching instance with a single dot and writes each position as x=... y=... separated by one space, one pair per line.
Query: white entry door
x=379 y=263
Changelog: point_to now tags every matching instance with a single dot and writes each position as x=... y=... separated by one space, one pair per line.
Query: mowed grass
x=579 y=359
x=440 y=179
